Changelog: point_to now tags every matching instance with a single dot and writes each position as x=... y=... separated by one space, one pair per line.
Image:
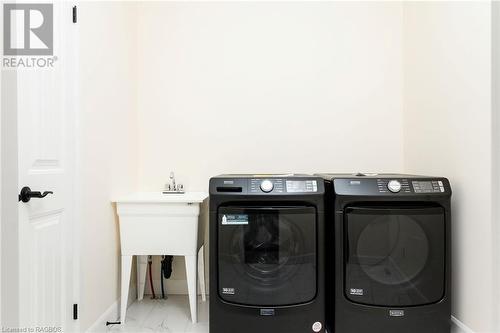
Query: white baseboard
x=112 y=313
x=459 y=327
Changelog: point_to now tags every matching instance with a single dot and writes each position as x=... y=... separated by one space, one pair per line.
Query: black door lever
x=26 y=194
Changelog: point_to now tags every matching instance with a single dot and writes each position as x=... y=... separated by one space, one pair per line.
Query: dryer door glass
x=394 y=256
x=267 y=255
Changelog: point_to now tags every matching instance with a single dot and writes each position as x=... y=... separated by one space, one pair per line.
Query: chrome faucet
x=173 y=187
x=172 y=179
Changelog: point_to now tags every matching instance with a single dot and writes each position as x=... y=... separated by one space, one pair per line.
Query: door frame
x=495 y=119
x=9 y=187
x=1 y=163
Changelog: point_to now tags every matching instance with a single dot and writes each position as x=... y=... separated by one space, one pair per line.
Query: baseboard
x=459 y=327
x=112 y=313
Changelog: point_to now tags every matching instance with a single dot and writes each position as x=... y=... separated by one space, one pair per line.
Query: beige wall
x=267 y=87
x=496 y=156
x=448 y=131
x=108 y=150
x=204 y=88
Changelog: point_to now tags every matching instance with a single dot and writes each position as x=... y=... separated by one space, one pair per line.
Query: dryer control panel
x=392 y=186
x=428 y=186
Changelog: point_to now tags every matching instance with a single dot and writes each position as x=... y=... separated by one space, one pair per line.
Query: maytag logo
x=228 y=291
x=28 y=35
x=267 y=312
x=356 y=292
x=396 y=313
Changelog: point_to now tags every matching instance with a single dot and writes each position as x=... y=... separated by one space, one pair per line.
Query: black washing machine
x=267 y=254
x=388 y=255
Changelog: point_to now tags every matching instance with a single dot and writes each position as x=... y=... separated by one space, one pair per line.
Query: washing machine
x=388 y=253
x=267 y=254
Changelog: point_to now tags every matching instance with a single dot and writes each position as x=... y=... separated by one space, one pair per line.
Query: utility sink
x=155 y=223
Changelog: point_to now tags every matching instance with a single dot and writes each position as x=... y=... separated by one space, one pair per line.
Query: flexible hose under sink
x=150 y=265
x=166 y=266
x=161 y=278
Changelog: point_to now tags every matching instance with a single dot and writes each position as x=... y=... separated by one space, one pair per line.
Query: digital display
x=433 y=186
x=293 y=186
x=425 y=186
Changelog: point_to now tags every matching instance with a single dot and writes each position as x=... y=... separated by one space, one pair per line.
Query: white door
x=46 y=154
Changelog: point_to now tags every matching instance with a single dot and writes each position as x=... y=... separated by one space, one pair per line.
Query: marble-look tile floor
x=171 y=315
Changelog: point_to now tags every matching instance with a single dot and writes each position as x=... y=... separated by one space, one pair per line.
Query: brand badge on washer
x=317 y=326
x=397 y=313
x=267 y=312
x=356 y=292
x=228 y=291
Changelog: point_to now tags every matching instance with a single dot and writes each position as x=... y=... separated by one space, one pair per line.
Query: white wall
x=495 y=27
x=448 y=131
x=267 y=87
x=108 y=152
x=496 y=155
x=276 y=87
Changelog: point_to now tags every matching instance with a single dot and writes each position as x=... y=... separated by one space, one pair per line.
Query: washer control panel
x=267 y=185
x=279 y=185
x=392 y=186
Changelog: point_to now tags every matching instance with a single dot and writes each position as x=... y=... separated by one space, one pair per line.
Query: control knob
x=266 y=186
x=394 y=186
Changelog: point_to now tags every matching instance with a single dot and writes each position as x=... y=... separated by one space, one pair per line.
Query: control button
x=394 y=186
x=266 y=186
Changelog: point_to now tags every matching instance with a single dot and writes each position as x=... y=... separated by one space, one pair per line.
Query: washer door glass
x=267 y=255
x=394 y=256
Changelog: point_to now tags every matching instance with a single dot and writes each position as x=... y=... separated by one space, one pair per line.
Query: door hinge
x=75 y=311
x=75 y=16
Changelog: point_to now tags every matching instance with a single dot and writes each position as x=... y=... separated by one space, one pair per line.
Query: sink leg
x=191 y=262
x=201 y=273
x=142 y=267
x=126 y=270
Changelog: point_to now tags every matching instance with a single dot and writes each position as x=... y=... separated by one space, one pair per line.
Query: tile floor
x=170 y=316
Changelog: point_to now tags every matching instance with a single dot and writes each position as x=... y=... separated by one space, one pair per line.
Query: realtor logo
x=28 y=29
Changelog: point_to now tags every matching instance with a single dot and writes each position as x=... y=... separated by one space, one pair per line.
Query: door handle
x=26 y=194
